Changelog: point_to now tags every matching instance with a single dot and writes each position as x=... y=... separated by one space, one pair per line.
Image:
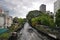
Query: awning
x=3 y=30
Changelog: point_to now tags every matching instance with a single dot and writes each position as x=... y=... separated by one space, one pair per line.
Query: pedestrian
x=13 y=36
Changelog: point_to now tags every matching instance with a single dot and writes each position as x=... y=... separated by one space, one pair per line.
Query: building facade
x=43 y=8
x=1 y=22
x=9 y=21
x=56 y=6
x=5 y=19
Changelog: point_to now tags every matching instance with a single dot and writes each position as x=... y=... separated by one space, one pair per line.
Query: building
x=1 y=22
x=5 y=19
x=50 y=13
x=2 y=18
x=56 y=6
x=43 y=8
x=9 y=21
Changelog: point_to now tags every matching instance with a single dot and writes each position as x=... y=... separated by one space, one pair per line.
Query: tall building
x=43 y=8
x=56 y=6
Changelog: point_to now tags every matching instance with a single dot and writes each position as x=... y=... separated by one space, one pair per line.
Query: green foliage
x=4 y=35
x=20 y=20
x=15 y=20
x=33 y=14
x=43 y=19
x=17 y=23
x=34 y=21
x=58 y=18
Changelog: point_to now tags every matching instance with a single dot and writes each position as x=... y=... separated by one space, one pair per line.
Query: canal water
x=29 y=33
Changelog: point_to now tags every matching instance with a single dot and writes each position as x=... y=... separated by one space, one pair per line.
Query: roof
x=3 y=30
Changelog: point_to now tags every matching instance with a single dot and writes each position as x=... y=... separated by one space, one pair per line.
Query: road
x=29 y=33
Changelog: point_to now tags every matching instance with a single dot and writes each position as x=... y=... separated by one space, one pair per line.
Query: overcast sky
x=20 y=8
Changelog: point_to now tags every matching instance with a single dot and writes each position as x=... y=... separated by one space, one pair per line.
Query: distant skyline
x=20 y=8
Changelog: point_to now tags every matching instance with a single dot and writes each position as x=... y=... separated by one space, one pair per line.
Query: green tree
x=43 y=19
x=33 y=14
x=58 y=18
x=15 y=20
x=20 y=20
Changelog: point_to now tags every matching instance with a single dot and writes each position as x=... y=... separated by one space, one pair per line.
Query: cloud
x=20 y=8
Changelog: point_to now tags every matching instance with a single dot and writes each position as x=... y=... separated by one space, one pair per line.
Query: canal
x=29 y=33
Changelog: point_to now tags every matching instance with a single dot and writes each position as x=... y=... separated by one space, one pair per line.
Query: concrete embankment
x=50 y=36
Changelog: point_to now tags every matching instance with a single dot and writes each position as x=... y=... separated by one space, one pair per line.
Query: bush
x=4 y=36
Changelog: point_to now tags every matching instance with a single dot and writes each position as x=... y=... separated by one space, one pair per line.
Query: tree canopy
x=43 y=19
x=58 y=18
x=33 y=14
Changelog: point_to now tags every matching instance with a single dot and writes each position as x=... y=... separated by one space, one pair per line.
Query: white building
x=56 y=6
x=1 y=22
x=9 y=21
x=5 y=19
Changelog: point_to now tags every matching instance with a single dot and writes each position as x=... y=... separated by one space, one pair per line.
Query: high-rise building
x=56 y=6
x=43 y=8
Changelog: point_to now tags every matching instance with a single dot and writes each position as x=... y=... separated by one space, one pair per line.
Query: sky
x=20 y=8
